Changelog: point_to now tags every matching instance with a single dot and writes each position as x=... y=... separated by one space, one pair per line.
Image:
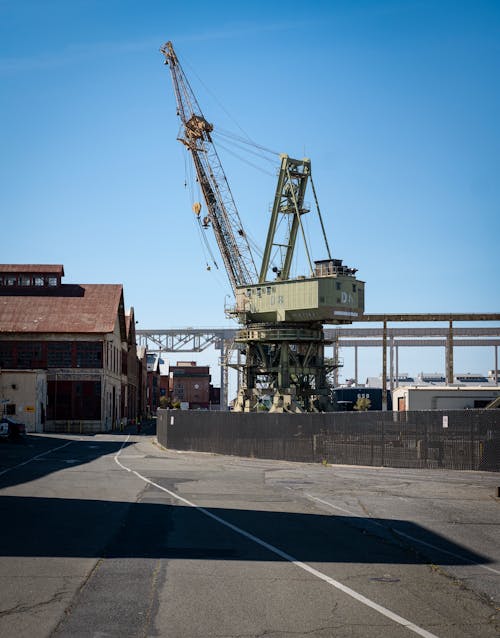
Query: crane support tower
x=282 y=317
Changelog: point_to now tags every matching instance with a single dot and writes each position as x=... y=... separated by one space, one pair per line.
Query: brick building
x=190 y=384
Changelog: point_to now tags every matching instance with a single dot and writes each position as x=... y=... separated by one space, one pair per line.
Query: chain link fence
x=459 y=440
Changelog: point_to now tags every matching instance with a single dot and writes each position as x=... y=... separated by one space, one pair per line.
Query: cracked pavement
x=95 y=549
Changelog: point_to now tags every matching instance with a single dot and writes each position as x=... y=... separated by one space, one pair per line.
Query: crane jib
x=222 y=210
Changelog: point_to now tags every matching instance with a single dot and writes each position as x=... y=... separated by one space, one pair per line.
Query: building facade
x=443 y=397
x=190 y=385
x=74 y=337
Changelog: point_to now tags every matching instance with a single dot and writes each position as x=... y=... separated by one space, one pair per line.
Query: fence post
x=382 y=460
x=472 y=455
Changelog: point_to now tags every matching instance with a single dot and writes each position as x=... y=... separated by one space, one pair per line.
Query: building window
x=10 y=409
x=25 y=281
x=179 y=391
x=338 y=285
x=59 y=354
x=77 y=400
x=39 y=281
x=52 y=281
x=11 y=281
x=29 y=355
x=6 y=354
x=88 y=354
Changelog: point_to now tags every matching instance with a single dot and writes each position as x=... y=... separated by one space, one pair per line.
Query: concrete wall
x=27 y=390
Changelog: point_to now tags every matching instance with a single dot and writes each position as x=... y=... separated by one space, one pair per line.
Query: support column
x=449 y=355
x=391 y=363
x=356 y=366
x=384 y=367
x=335 y=361
x=238 y=375
x=223 y=375
x=397 y=366
x=496 y=366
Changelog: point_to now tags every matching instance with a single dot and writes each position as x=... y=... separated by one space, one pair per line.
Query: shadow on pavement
x=49 y=454
x=90 y=528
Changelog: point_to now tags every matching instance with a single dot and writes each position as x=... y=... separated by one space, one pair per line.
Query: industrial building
x=68 y=358
x=447 y=397
x=189 y=384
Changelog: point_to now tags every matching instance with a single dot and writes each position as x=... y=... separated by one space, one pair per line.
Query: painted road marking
x=275 y=550
x=34 y=458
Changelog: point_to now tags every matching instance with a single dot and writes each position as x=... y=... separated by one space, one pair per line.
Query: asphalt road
x=113 y=536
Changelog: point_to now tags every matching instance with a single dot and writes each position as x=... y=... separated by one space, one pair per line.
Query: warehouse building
x=65 y=351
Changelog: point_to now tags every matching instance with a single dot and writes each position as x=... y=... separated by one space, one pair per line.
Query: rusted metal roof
x=33 y=269
x=69 y=308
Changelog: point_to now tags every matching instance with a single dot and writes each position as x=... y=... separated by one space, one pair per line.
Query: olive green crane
x=282 y=316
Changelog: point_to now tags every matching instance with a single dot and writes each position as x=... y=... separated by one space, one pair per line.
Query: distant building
x=347 y=397
x=456 y=397
x=494 y=376
x=153 y=382
x=190 y=385
x=468 y=377
x=142 y=383
x=402 y=379
x=214 y=398
x=130 y=394
x=64 y=351
x=434 y=378
x=164 y=378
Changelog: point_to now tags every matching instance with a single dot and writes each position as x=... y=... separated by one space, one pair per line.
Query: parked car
x=11 y=429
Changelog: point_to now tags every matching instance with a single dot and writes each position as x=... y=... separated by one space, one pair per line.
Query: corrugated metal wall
x=461 y=440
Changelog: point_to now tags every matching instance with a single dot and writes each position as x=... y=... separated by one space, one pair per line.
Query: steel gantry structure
x=388 y=339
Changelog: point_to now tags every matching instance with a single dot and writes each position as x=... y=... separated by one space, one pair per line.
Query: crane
x=282 y=317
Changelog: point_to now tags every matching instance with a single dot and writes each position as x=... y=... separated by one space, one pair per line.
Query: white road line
x=331 y=581
x=397 y=531
x=33 y=458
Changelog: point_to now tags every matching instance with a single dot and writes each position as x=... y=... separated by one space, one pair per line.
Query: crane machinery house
x=331 y=294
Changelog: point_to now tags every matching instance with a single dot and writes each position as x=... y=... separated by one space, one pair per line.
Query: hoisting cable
x=214 y=96
x=242 y=159
x=242 y=148
x=188 y=183
x=320 y=218
x=249 y=142
x=206 y=244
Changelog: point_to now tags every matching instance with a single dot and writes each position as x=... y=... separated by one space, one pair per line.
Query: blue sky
x=396 y=103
